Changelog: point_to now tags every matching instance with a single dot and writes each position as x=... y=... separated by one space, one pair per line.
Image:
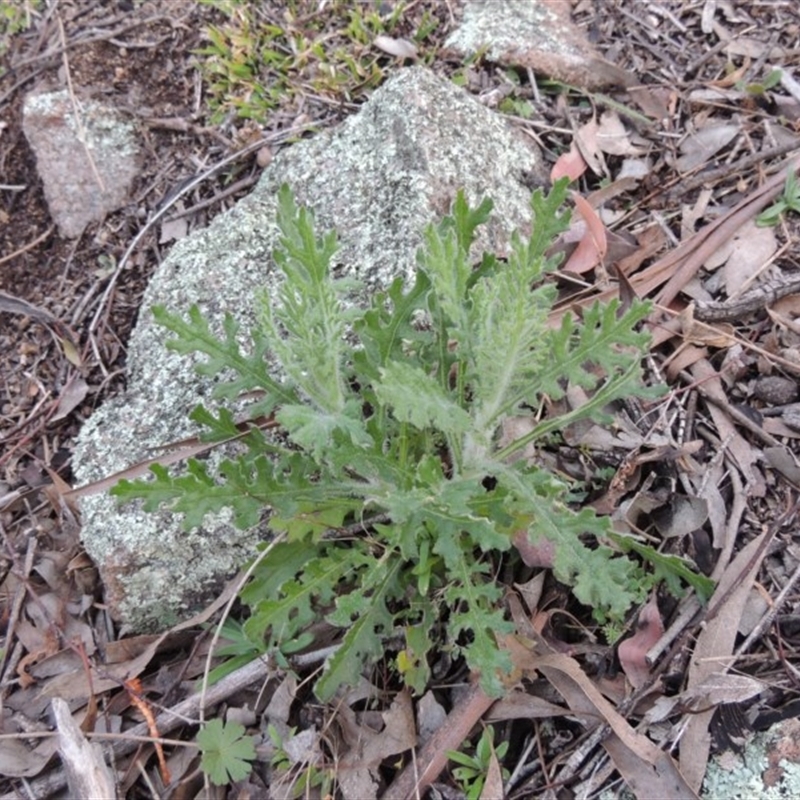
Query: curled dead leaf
x=399 y=48
x=633 y=651
x=570 y=164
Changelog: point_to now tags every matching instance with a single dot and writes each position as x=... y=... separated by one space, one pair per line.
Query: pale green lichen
x=742 y=777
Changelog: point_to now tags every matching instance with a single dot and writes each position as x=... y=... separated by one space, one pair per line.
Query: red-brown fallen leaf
x=535 y=554
x=633 y=651
x=570 y=164
x=134 y=687
x=418 y=775
x=593 y=246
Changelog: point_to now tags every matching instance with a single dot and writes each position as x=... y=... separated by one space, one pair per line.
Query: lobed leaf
x=417 y=398
x=226 y=751
x=196 y=336
x=368 y=621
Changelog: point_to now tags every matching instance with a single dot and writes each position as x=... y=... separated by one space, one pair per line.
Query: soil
x=140 y=55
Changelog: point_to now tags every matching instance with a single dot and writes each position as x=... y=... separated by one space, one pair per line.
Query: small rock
x=538 y=34
x=87 y=160
x=776 y=390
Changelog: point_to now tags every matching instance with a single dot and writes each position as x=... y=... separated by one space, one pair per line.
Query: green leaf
x=393 y=414
x=282 y=564
x=509 y=321
x=220 y=427
x=478 y=617
x=465 y=220
x=549 y=219
x=388 y=326
x=449 y=270
x=368 y=621
x=282 y=615
x=226 y=752
x=671 y=569
x=315 y=430
x=305 y=323
x=417 y=398
x=412 y=662
x=196 y=336
x=598 y=578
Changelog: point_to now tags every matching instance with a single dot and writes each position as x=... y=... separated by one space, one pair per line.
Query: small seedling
x=788 y=201
x=15 y=17
x=226 y=752
x=759 y=89
x=260 y=59
x=472 y=770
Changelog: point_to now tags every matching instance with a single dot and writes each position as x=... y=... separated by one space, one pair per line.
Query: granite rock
x=87 y=156
x=378 y=179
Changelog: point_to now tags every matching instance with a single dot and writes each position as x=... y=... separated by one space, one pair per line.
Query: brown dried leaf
x=430 y=716
x=399 y=48
x=593 y=245
x=700 y=146
x=522 y=705
x=633 y=651
x=73 y=394
x=17 y=760
x=648 y=771
x=173 y=230
x=586 y=142
x=612 y=136
x=752 y=248
x=721 y=334
x=571 y=164
x=654 y=101
x=721 y=688
x=541 y=553
x=358 y=769
x=493 y=784
x=531 y=591
x=743 y=452
x=680 y=516
x=714 y=642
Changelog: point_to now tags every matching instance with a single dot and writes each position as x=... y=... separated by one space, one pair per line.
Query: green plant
x=15 y=16
x=226 y=751
x=395 y=501
x=237 y=647
x=788 y=201
x=259 y=59
x=758 y=89
x=472 y=770
x=297 y=778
